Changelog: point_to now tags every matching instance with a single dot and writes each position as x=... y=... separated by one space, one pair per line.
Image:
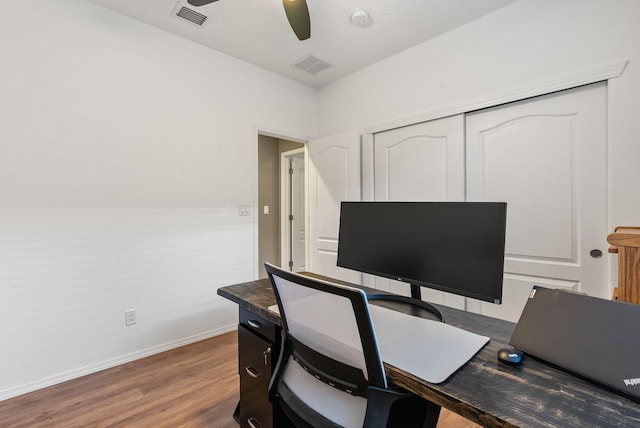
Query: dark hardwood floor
x=193 y=386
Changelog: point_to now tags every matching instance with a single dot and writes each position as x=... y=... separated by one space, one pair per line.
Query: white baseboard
x=93 y=368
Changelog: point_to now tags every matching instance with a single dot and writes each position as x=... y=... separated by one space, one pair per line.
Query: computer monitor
x=457 y=247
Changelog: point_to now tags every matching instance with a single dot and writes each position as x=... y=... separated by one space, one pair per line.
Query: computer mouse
x=510 y=356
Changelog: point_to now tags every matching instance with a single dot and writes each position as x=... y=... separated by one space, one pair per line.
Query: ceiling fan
x=297 y=14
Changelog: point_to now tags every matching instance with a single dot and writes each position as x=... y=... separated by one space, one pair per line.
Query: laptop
x=595 y=338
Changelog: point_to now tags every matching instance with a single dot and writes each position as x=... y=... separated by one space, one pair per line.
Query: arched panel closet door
x=422 y=162
x=547 y=158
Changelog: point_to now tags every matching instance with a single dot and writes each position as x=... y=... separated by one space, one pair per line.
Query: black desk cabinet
x=258 y=345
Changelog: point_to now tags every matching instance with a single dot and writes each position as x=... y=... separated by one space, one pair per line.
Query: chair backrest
x=330 y=354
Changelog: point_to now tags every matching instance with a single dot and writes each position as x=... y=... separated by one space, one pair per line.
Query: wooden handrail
x=625 y=241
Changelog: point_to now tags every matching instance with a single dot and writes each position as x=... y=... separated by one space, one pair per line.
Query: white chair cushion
x=338 y=406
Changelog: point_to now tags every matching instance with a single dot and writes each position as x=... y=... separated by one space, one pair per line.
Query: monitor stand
x=414 y=300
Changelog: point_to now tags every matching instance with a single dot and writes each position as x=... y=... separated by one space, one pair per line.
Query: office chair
x=329 y=372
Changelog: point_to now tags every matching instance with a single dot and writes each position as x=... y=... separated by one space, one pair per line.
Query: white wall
x=528 y=42
x=125 y=153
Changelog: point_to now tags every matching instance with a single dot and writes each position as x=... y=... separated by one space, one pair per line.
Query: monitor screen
x=456 y=247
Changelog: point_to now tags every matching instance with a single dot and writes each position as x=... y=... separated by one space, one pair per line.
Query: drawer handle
x=252 y=372
x=253 y=423
x=254 y=324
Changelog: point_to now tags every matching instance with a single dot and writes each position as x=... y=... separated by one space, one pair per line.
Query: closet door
x=422 y=162
x=546 y=157
x=334 y=176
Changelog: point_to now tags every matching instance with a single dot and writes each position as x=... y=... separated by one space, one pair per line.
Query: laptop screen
x=594 y=338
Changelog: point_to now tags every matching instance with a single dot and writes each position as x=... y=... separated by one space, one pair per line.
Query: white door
x=546 y=157
x=334 y=176
x=422 y=162
x=293 y=210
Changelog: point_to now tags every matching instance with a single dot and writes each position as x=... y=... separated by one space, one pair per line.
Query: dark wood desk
x=484 y=390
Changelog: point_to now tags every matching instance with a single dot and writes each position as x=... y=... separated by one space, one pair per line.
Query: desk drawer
x=258 y=325
x=255 y=367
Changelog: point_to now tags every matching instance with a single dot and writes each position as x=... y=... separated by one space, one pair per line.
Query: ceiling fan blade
x=298 y=16
x=200 y=2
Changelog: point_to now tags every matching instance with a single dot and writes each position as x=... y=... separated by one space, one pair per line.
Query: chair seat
x=340 y=407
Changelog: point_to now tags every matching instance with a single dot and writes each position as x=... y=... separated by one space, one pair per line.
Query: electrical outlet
x=129 y=317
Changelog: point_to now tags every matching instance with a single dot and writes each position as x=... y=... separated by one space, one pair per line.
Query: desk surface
x=484 y=390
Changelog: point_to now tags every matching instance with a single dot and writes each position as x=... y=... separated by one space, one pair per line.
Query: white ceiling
x=257 y=31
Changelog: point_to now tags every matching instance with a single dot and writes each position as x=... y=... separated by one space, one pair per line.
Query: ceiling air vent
x=311 y=64
x=191 y=15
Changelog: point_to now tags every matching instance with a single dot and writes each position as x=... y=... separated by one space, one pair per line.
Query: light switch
x=265 y=209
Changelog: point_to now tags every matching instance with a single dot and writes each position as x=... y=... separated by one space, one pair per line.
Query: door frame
x=285 y=203
x=284 y=135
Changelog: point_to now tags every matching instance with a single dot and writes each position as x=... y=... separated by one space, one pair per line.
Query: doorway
x=273 y=215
